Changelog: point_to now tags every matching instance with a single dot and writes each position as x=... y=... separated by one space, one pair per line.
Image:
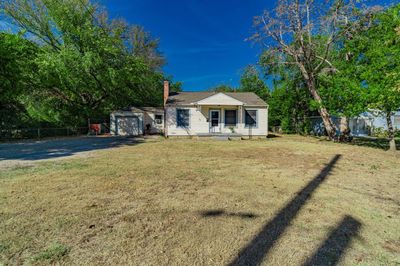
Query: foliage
x=376 y=54
x=376 y=58
x=144 y=46
x=222 y=88
x=289 y=104
x=341 y=87
x=250 y=81
x=87 y=64
x=294 y=27
x=16 y=55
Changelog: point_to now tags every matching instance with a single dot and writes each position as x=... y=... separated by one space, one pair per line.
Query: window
x=182 y=116
x=158 y=119
x=250 y=118
x=230 y=118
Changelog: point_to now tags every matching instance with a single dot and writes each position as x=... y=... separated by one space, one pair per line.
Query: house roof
x=190 y=98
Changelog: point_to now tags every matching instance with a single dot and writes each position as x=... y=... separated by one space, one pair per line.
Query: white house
x=197 y=114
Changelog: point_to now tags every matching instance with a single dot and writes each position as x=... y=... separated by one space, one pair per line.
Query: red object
x=95 y=128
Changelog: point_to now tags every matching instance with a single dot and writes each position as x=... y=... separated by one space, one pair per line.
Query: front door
x=215 y=121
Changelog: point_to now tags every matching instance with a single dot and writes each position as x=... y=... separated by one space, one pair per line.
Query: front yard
x=282 y=201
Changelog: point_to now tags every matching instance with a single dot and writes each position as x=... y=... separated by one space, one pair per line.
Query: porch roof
x=219 y=99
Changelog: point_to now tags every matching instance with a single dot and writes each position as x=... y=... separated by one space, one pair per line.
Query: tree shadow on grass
x=216 y=213
x=257 y=249
x=335 y=245
x=273 y=135
x=378 y=143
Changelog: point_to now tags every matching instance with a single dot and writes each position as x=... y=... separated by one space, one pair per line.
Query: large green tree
x=289 y=103
x=375 y=53
x=88 y=64
x=222 y=88
x=16 y=56
x=292 y=33
x=251 y=81
x=341 y=90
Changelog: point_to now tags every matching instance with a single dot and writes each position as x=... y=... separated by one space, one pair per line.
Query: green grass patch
x=3 y=247
x=53 y=253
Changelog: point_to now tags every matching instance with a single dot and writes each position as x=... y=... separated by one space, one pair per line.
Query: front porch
x=227 y=120
x=221 y=136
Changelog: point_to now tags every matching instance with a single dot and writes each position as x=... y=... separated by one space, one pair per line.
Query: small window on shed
x=158 y=119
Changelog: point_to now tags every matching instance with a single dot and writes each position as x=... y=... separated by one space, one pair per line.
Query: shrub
x=383 y=133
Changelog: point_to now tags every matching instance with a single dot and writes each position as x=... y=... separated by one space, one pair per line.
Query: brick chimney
x=166 y=94
x=166 y=91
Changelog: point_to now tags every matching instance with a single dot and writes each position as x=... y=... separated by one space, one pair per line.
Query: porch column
x=240 y=116
x=222 y=118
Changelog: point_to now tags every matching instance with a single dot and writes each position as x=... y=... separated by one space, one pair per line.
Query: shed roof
x=144 y=109
x=189 y=98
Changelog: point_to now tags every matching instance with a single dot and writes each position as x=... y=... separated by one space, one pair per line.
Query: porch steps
x=225 y=137
x=221 y=138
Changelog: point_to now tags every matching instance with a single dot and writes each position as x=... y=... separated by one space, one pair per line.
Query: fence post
x=38 y=133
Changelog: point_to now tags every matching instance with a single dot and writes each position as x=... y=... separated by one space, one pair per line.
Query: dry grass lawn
x=281 y=201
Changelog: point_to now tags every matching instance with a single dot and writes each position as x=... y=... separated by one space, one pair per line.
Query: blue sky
x=202 y=40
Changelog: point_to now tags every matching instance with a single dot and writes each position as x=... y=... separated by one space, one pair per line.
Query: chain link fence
x=358 y=126
x=39 y=133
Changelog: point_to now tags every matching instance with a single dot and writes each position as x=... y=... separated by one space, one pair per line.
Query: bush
x=380 y=132
x=397 y=133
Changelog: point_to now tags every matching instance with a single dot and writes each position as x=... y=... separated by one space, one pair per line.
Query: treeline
x=62 y=62
x=251 y=80
x=337 y=58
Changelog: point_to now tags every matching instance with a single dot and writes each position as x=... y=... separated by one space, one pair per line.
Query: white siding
x=149 y=119
x=198 y=124
x=261 y=128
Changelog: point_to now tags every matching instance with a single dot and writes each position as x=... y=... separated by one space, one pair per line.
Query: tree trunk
x=344 y=129
x=323 y=112
x=392 y=142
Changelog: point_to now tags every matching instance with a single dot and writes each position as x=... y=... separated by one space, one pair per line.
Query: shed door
x=128 y=126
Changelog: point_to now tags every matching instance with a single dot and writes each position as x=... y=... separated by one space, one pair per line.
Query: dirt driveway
x=28 y=152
